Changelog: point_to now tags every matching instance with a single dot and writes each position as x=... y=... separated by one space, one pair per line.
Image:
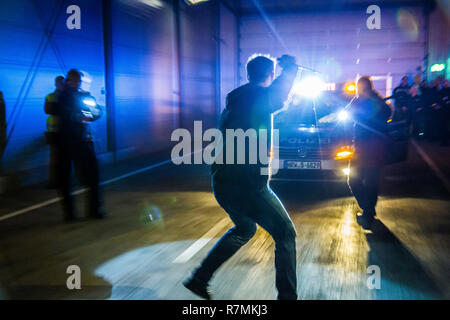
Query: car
x=315 y=139
x=315 y=135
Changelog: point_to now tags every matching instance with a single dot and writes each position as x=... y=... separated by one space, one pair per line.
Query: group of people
x=426 y=106
x=70 y=110
x=241 y=190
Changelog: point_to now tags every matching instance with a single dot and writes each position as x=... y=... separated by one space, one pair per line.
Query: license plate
x=303 y=165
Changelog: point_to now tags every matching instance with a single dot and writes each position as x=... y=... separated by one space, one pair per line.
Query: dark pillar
x=109 y=79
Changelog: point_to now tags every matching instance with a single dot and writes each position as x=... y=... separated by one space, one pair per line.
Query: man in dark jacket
x=401 y=96
x=370 y=114
x=418 y=113
x=75 y=109
x=443 y=113
x=242 y=190
x=433 y=110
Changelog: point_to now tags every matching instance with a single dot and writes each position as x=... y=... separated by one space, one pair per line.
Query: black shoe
x=198 y=287
x=365 y=221
x=71 y=219
x=97 y=215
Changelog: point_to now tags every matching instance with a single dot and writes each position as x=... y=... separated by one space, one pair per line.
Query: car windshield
x=301 y=110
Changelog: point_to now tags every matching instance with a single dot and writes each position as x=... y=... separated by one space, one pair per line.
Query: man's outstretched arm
x=281 y=86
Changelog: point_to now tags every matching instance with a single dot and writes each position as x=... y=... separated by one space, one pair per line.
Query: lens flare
x=309 y=87
x=89 y=102
x=408 y=24
x=344 y=153
x=343 y=115
x=350 y=88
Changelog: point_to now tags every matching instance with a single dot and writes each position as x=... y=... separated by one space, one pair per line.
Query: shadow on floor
x=102 y=290
x=402 y=275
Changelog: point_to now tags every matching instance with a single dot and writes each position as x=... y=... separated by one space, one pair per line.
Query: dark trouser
x=53 y=140
x=432 y=126
x=419 y=123
x=443 y=126
x=82 y=155
x=364 y=182
x=246 y=208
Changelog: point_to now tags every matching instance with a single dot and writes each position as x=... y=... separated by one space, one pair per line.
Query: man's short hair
x=59 y=80
x=259 y=67
x=74 y=74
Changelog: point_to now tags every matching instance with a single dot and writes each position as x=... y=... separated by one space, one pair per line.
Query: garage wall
x=339 y=44
x=198 y=64
x=142 y=57
x=153 y=89
x=228 y=53
x=29 y=62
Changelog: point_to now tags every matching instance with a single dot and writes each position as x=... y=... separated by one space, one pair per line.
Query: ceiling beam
x=333 y=6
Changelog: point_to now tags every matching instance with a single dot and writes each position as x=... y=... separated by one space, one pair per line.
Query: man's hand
x=286 y=61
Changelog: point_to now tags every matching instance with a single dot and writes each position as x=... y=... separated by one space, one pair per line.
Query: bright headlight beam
x=89 y=102
x=343 y=154
x=310 y=87
x=350 y=88
x=343 y=115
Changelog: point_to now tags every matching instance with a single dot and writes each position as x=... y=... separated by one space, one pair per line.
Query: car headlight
x=344 y=153
x=309 y=87
x=343 y=115
x=350 y=88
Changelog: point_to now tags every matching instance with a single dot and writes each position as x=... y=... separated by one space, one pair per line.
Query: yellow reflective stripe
x=52 y=123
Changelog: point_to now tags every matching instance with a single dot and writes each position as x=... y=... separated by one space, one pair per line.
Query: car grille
x=305 y=153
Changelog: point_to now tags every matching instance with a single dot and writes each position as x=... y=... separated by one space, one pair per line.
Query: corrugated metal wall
x=198 y=64
x=228 y=53
x=339 y=44
x=29 y=62
x=149 y=78
x=142 y=55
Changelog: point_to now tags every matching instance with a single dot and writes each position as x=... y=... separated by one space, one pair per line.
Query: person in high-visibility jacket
x=51 y=135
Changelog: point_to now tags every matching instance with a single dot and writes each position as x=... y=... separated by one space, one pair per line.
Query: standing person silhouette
x=76 y=108
x=241 y=190
x=52 y=133
x=370 y=114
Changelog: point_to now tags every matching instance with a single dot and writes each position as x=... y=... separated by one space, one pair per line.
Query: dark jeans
x=364 y=182
x=82 y=156
x=53 y=140
x=246 y=208
x=442 y=126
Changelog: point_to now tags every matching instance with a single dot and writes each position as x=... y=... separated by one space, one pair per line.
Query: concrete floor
x=155 y=216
